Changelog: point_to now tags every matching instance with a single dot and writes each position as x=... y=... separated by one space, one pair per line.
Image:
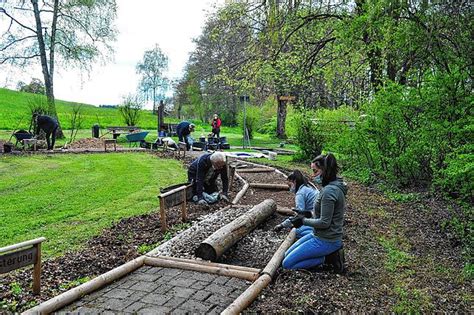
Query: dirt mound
x=87 y=143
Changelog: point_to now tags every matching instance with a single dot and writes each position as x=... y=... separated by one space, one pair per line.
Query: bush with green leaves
x=309 y=136
x=252 y=119
x=130 y=110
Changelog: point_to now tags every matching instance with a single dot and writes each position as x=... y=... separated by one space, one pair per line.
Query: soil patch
x=264 y=177
x=88 y=143
x=283 y=198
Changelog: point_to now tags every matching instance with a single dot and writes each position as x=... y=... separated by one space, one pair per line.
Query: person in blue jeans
x=305 y=199
x=325 y=243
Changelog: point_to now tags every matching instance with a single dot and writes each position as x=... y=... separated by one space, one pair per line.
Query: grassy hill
x=15 y=112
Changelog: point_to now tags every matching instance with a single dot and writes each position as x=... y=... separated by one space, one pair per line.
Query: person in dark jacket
x=203 y=173
x=325 y=243
x=216 y=126
x=184 y=130
x=49 y=125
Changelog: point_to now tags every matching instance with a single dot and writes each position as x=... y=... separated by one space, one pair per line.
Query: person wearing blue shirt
x=305 y=199
x=184 y=129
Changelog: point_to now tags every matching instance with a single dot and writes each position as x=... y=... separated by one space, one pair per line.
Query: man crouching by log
x=49 y=125
x=203 y=173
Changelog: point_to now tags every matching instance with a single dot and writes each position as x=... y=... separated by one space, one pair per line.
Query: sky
x=172 y=24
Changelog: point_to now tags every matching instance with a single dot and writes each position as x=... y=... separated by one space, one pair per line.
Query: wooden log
x=270 y=186
x=221 y=240
x=248 y=296
x=22 y=244
x=252 y=292
x=207 y=263
x=255 y=170
x=227 y=271
x=285 y=211
x=173 y=191
x=242 y=191
x=70 y=296
x=277 y=258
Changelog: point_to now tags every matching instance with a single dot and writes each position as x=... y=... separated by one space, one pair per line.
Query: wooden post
x=184 y=210
x=163 y=214
x=242 y=191
x=221 y=240
x=37 y=270
x=255 y=170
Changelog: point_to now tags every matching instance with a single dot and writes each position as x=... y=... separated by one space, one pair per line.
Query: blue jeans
x=308 y=252
x=303 y=231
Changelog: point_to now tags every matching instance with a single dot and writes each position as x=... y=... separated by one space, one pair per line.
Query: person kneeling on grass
x=306 y=196
x=324 y=245
x=203 y=173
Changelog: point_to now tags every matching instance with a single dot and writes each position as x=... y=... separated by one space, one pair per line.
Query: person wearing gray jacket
x=325 y=243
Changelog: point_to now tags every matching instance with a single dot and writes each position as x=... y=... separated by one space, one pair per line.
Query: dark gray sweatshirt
x=329 y=211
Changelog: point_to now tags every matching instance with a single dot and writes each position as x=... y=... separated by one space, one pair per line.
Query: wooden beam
x=190 y=265
x=37 y=271
x=164 y=226
x=270 y=186
x=22 y=244
x=255 y=170
x=221 y=240
x=242 y=191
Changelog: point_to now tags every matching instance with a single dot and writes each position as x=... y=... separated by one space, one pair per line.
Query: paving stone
x=198 y=307
x=180 y=311
x=154 y=270
x=209 y=277
x=182 y=292
x=199 y=285
x=221 y=280
x=84 y=310
x=136 y=306
x=163 y=288
x=145 y=286
x=118 y=293
x=201 y=295
x=126 y=284
x=156 y=299
x=236 y=293
x=216 y=310
x=170 y=272
x=144 y=277
x=182 y=281
x=116 y=304
x=143 y=269
x=154 y=310
x=238 y=283
x=175 y=302
x=222 y=290
x=218 y=299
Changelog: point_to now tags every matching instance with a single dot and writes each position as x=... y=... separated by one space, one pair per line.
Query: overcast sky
x=172 y=24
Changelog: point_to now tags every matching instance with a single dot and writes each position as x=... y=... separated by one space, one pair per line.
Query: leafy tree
x=68 y=33
x=130 y=110
x=35 y=87
x=153 y=83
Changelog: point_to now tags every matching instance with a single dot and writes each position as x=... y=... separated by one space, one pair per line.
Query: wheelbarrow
x=136 y=137
x=21 y=135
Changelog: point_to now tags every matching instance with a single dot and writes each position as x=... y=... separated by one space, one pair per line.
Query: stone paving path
x=154 y=290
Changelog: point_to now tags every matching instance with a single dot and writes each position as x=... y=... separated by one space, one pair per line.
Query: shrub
x=308 y=136
x=130 y=110
x=252 y=119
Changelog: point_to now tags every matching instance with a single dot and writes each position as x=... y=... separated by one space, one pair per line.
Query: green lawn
x=70 y=198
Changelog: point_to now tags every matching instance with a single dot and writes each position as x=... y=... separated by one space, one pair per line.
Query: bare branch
x=4 y=60
x=16 y=41
x=18 y=22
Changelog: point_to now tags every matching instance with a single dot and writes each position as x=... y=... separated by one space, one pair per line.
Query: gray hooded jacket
x=329 y=211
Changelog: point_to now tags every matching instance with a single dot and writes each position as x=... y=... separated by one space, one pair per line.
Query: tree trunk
x=281 y=119
x=161 y=114
x=47 y=74
x=221 y=240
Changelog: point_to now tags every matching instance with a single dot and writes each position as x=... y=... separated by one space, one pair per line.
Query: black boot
x=337 y=260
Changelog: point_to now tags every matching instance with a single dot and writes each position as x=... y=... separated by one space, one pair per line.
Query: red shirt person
x=216 y=126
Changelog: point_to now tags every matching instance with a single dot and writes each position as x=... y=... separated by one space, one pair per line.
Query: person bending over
x=203 y=173
x=49 y=125
x=305 y=199
x=325 y=243
x=184 y=130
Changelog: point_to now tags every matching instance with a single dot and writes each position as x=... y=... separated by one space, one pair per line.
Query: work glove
x=285 y=224
x=297 y=221
x=225 y=197
x=305 y=213
x=202 y=202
